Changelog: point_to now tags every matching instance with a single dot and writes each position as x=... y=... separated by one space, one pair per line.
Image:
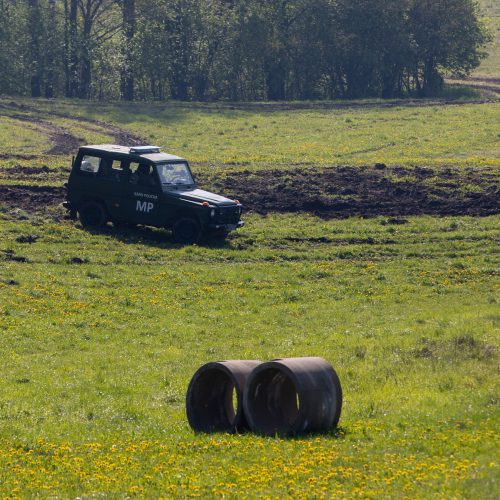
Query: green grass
x=100 y=333
x=212 y=136
x=97 y=356
x=491 y=65
x=21 y=137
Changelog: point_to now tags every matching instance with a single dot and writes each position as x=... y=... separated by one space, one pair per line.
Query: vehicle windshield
x=175 y=174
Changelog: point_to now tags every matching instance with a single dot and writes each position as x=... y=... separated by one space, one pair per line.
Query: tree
x=448 y=36
x=236 y=49
x=14 y=48
x=93 y=12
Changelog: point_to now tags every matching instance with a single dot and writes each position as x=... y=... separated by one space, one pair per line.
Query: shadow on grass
x=337 y=433
x=154 y=237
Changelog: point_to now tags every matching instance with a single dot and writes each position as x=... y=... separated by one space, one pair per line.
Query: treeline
x=236 y=49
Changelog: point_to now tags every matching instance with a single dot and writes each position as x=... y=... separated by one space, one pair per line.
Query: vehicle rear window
x=90 y=164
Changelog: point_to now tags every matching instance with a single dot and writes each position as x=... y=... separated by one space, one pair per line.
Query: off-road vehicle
x=142 y=185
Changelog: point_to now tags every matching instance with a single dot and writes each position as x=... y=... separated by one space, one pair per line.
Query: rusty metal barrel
x=293 y=396
x=214 y=399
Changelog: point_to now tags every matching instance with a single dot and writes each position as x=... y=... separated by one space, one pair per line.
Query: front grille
x=228 y=215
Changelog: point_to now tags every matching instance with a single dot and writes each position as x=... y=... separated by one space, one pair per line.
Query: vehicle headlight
x=212 y=212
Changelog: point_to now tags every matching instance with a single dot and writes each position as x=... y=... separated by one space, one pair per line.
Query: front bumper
x=227 y=227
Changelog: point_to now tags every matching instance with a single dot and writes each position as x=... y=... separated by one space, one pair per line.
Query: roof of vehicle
x=121 y=151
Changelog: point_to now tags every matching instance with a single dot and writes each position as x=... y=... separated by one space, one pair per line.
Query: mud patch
x=42 y=174
x=364 y=191
x=335 y=241
x=331 y=192
x=120 y=136
x=327 y=105
x=28 y=238
x=11 y=256
x=64 y=141
x=6 y=156
x=78 y=260
x=31 y=198
x=20 y=172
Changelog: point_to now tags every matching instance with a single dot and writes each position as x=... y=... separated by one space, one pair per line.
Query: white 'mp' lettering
x=144 y=206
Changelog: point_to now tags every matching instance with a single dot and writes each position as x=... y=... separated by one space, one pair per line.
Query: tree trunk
x=72 y=83
x=34 y=20
x=86 y=63
x=276 y=82
x=66 y=48
x=433 y=81
x=49 y=80
x=127 y=75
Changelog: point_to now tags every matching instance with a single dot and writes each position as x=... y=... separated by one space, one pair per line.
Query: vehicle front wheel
x=92 y=214
x=186 y=231
x=218 y=235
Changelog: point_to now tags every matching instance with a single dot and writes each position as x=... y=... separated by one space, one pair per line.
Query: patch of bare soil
x=491 y=79
x=119 y=135
x=332 y=192
x=35 y=175
x=7 y=156
x=364 y=191
x=65 y=142
x=31 y=198
x=327 y=105
x=489 y=85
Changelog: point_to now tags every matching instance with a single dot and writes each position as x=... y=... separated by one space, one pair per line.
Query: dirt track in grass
x=331 y=192
x=63 y=142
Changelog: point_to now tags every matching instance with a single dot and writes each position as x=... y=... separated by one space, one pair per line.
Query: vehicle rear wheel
x=187 y=231
x=92 y=214
x=120 y=224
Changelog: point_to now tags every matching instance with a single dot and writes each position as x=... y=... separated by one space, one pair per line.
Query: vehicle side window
x=142 y=174
x=117 y=170
x=90 y=164
x=112 y=170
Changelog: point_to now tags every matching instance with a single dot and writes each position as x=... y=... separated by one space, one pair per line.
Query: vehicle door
x=112 y=185
x=143 y=201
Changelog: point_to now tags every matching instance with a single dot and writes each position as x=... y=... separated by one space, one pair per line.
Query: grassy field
x=101 y=333
x=260 y=136
x=491 y=65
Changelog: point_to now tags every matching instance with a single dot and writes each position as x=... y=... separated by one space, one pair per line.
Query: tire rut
x=65 y=142
x=329 y=192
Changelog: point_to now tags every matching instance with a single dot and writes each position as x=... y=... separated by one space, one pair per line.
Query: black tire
x=92 y=214
x=218 y=235
x=186 y=231
x=120 y=224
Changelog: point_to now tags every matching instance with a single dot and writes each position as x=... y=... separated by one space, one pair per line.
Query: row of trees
x=236 y=49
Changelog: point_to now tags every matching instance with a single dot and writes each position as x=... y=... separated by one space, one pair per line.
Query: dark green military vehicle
x=142 y=185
